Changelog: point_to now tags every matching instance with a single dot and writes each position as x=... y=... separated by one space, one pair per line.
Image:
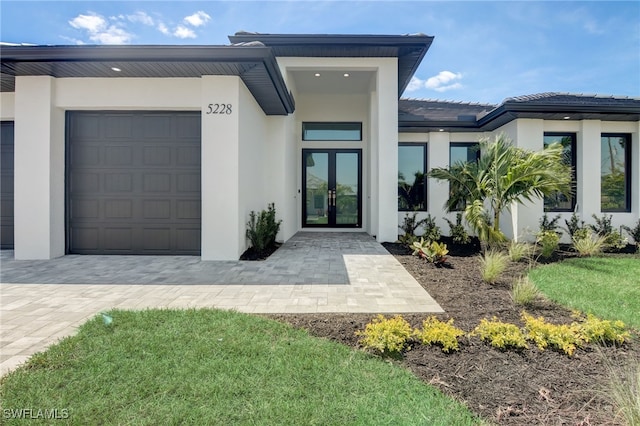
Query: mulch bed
x=504 y=387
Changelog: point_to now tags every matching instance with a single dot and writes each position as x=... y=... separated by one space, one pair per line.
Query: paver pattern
x=44 y=300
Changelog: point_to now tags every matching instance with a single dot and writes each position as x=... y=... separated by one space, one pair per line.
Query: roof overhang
x=409 y=49
x=255 y=65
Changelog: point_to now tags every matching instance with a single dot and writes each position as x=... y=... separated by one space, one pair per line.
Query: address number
x=219 y=109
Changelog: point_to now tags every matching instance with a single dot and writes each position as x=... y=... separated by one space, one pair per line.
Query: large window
x=615 y=172
x=463 y=152
x=412 y=180
x=331 y=131
x=558 y=202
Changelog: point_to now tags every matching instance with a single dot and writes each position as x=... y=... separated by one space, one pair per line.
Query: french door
x=332 y=188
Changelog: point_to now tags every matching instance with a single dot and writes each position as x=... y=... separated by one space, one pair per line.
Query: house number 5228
x=219 y=109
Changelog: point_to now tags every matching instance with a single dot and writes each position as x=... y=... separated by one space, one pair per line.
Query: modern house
x=167 y=149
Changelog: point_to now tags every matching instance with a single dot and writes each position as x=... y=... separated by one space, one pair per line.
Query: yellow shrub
x=500 y=335
x=435 y=331
x=386 y=335
x=563 y=337
x=593 y=329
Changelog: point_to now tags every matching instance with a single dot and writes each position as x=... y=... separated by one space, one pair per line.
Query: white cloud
x=197 y=19
x=415 y=84
x=92 y=22
x=141 y=17
x=163 y=28
x=184 y=32
x=99 y=31
x=445 y=80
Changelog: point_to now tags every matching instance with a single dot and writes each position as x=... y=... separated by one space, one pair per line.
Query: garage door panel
x=137 y=183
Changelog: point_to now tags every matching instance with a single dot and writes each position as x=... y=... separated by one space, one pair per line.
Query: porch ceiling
x=332 y=81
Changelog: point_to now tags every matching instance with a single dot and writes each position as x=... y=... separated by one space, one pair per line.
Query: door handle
x=332 y=198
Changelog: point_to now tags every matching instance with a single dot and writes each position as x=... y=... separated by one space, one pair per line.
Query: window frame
x=358 y=124
x=627 y=171
x=424 y=168
x=574 y=170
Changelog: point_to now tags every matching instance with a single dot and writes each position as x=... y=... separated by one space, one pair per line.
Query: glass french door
x=332 y=188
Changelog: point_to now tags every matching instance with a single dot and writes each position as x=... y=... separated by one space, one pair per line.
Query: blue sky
x=483 y=51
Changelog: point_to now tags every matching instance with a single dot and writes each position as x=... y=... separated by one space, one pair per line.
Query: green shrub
x=576 y=227
x=590 y=245
x=263 y=228
x=548 y=241
x=634 y=232
x=500 y=334
x=519 y=251
x=524 y=292
x=624 y=391
x=457 y=230
x=563 y=337
x=603 y=225
x=386 y=335
x=441 y=333
x=492 y=264
x=547 y=224
x=431 y=251
x=431 y=230
x=593 y=329
x=410 y=224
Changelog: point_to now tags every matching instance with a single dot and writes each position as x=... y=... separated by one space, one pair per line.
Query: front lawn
x=217 y=367
x=608 y=287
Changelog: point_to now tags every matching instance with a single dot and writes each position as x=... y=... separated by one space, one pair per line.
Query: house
x=167 y=149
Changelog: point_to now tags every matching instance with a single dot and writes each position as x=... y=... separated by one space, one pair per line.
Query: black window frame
x=424 y=168
x=574 y=171
x=627 y=171
x=357 y=124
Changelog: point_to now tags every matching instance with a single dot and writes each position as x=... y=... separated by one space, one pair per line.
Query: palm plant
x=504 y=175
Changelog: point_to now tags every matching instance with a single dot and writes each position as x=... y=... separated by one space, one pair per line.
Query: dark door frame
x=331 y=186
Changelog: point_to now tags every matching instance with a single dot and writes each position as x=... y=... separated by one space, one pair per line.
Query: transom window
x=615 y=172
x=412 y=179
x=331 y=131
x=558 y=202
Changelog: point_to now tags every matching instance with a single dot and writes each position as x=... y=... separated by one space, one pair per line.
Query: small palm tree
x=503 y=175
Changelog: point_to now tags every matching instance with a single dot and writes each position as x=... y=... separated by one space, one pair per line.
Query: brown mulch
x=530 y=387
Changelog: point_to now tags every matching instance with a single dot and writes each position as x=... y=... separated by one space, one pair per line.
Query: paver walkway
x=44 y=300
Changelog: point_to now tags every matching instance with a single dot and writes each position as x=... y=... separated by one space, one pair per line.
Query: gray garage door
x=6 y=185
x=133 y=183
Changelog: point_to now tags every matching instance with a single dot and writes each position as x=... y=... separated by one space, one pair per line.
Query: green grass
x=608 y=287
x=218 y=367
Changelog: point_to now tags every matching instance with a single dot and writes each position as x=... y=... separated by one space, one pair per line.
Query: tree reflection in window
x=412 y=188
x=615 y=176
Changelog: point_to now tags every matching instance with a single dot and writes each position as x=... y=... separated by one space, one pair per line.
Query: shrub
x=263 y=228
x=590 y=245
x=624 y=391
x=524 y=292
x=603 y=225
x=563 y=337
x=500 y=335
x=431 y=251
x=492 y=264
x=457 y=230
x=547 y=224
x=519 y=251
x=576 y=227
x=386 y=335
x=410 y=224
x=548 y=241
x=444 y=334
x=431 y=230
x=634 y=232
x=593 y=329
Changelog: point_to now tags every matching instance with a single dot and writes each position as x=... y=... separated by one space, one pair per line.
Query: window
x=462 y=152
x=558 y=202
x=412 y=180
x=615 y=173
x=331 y=131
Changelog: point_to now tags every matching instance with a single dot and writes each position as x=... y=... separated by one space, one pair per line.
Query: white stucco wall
x=7 y=105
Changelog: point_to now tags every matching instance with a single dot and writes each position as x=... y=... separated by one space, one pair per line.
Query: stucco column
x=220 y=169
x=588 y=168
x=39 y=170
x=387 y=151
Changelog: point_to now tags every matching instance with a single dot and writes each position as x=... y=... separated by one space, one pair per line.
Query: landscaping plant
x=431 y=230
x=431 y=251
x=624 y=391
x=441 y=333
x=589 y=245
x=524 y=292
x=576 y=227
x=457 y=230
x=519 y=250
x=613 y=240
x=492 y=264
x=548 y=241
x=387 y=336
x=500 y=335
x=410 y=224
x=262 y=228
x=563 y=337
x=634 y=233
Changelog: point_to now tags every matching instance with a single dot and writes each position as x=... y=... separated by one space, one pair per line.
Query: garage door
x=6 y=185
x=133 y=183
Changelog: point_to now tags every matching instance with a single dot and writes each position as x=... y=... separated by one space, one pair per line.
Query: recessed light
x=317 y=74
x=441 y=130
x=116 y=69
x=566 y=117
x=346 y=74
